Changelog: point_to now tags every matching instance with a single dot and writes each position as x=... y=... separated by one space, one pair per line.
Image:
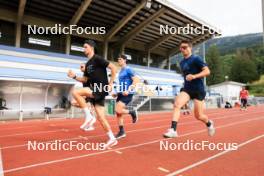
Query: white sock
x=88 y=114
x=111 y=135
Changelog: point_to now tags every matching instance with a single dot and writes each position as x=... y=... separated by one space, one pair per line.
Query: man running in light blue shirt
x=125 y=92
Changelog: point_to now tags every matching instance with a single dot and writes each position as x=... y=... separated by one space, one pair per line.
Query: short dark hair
x=123 y=56
x=186 y=42
x=90 y=42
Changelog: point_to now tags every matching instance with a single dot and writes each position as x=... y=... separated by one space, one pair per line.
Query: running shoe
x=211 y=129
x=120 y=134
x=170 y=133
x=134 y=116
x=89 y=128
x=110 y=143
x=88 y=124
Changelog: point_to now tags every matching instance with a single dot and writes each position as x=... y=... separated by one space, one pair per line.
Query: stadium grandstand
x=33 y=67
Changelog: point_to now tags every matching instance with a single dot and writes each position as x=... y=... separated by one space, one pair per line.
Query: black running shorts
x=198 y=95
x=124 y=99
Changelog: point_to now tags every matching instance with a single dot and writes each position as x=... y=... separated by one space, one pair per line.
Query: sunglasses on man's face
x=183 y=47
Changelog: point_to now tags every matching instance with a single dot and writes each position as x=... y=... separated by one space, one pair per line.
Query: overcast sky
x=233 y=17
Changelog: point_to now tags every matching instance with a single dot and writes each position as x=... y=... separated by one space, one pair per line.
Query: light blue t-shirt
x=125 y=78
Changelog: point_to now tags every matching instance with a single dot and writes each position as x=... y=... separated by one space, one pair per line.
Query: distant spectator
x=243 y=95
x=158 y=89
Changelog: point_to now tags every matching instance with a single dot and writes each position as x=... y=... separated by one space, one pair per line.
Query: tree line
x=246 y=65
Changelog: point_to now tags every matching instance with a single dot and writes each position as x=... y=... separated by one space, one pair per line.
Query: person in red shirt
x=243 y=95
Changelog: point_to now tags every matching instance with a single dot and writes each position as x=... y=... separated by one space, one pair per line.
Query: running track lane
x=102 y=159
x=247 y=161
x=136 y=136
x=73 y=132
x=134 y=165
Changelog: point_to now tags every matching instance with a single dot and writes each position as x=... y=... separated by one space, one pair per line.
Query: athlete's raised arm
x=205 y=72
x=73 y=75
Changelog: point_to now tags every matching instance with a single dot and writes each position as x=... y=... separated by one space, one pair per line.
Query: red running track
x=140 y=153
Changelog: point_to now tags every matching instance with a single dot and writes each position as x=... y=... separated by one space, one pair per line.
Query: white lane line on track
x=83 y=137
x=130 y=131
x=1 y=164
x=15 y=128
x=118 y=152
x=163 y=169
x=121 y=148
x=130 y=123
x=214 y=156
x=39 y=132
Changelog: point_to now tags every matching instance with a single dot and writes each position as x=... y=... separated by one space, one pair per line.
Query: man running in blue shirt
x=125 y=92
x=194 y=70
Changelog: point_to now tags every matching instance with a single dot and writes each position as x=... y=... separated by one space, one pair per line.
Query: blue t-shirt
x=125 y=78
x=193 y=65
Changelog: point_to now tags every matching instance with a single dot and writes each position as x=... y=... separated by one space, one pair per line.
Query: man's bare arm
x=72 y=75
x=205 y=72
x=82 y=79
x=136 y=80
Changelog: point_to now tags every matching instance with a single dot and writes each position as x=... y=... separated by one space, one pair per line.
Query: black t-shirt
x=95 y=70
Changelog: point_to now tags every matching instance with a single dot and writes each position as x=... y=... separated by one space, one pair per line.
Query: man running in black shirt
x=96 y=72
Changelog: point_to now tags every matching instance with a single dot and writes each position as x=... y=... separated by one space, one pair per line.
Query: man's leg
x=80 y=94
x=184 y=109
x=92 y=111
x=100 y=111
x=79 y=97
x=180 y=101
x=188 y=109
x=120 y=110
x=245 y=104
x=199 y=115
x=74 y=103
x=242 y=104
x=91 y=107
